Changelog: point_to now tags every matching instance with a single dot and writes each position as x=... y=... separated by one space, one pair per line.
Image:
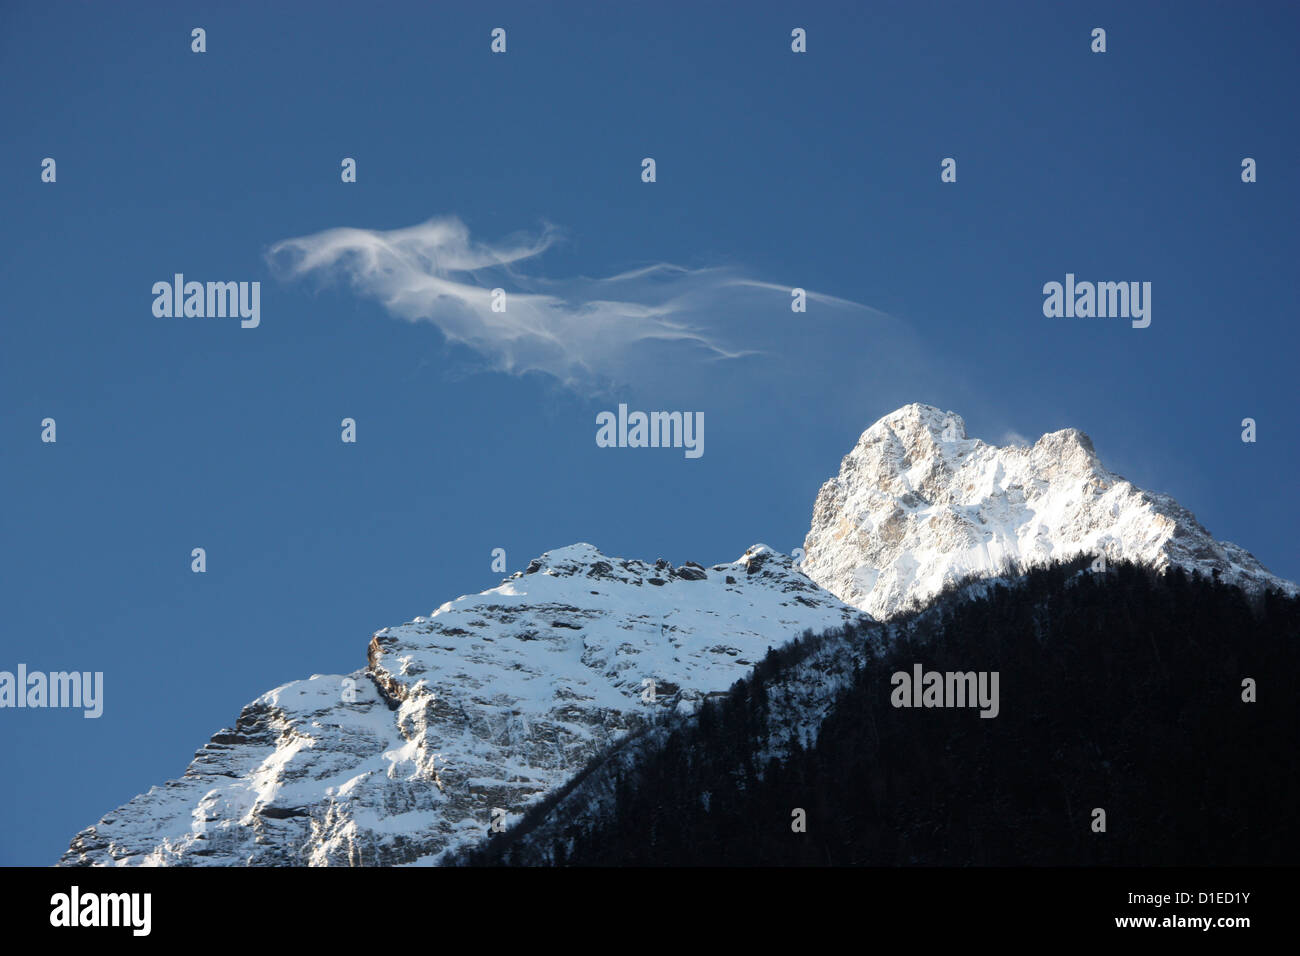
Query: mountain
x=504 y=700
x=1121 y=692
x=489 y=702
x=918 y=504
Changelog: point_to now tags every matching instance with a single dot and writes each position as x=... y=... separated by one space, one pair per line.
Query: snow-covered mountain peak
x=918 y=418
x=585 y=561
x=918 y=504
x=495 y=699
x=483 y=706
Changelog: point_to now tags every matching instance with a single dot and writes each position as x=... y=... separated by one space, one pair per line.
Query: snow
x=918 y=504
x=495 y=699
x=490 y=701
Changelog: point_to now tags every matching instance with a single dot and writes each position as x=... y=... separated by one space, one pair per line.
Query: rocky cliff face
x=918 y=504
x=485 y=705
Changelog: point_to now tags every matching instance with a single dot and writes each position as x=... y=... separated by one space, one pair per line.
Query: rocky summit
x=918 y=505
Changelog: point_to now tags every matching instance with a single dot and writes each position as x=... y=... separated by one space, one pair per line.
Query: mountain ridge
x=464 y=718
x=465 y=715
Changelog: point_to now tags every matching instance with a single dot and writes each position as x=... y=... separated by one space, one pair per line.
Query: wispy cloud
x=588 y=333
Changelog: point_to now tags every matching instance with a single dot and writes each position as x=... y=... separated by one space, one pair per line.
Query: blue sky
x=818 y=170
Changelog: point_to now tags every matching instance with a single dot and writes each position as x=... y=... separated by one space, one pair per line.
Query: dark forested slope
x=1119 y=691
